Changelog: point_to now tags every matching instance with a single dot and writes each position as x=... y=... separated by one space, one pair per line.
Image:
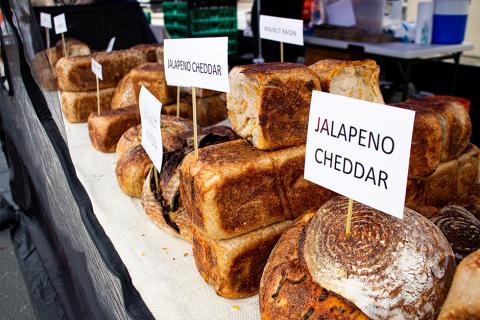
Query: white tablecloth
x=161 y=266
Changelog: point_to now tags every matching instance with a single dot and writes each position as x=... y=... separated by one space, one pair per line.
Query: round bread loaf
x=387 y=268
x=461 y=228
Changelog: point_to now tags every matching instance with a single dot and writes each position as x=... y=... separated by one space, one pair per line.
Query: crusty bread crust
x=441 y=132
x=233 y=267
x=234 y=188
x=152 y=51
x=462 y=300
x=269 y=103
x=132 y=169
x=77 y=106
x=356 y=79
x=150 y=75
x=75 y=74
x=287 y=290
x=450 y=181
x=106 y=129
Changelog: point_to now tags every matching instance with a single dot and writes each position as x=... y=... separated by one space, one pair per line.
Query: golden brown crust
x=74 y=48
x=150 y=75
x=106 y=129
x=441 y=132
x=287 y=290
x=150 y=50
x=268 y=104
x=234 y=266
x=234 y=188
x=361 y=78
x=74 y=73
x=399 y=268
x=210 y=110
x=132 y=169
x=77 y=106
x=450 y=181
x=462 y=302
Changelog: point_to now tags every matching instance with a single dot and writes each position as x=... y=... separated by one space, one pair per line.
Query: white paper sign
x=97 y=69
x=360 y=149
x=45 y=20
x=197 y=62
x=60 y=24
x=150 y=110
x=281 y=29
x=110 y=44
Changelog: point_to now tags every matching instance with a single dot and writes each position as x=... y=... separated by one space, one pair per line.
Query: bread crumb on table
x=142 y=253
x=185 y=254
x=235 y=307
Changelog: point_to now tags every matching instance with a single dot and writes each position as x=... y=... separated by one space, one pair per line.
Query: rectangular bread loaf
x=233 y=267
x=151 y=51
x=106 y=129
x=355 y=79
x=74 y=73
x=150 y=75
x=234 y=188
x=74 y=48
x=269 y=103
x=451 y=180
x=77 y=106
x=210 y=110
x=441 y=132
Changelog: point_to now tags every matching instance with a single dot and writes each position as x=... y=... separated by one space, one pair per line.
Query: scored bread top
x=388 y=267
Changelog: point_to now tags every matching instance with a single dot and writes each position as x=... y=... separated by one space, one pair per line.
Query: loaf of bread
x=269 y=103
x=463 y=299
x=441 y=132
x=150 y=75
x=387 y=268
x=163 y=204
x=470 y=200
x=286 y=279
x=233 y=267
x=77 y=106
x=210 y=110
x=106 y=129
x=74 y=48
x=354 y=79
x=461 y=228
x=172 y=138
x=129 y=139
x=153 y=51
x=75 y=74
x=134 y=164
x=131 y=170
x=450 y=180
x=234 y=188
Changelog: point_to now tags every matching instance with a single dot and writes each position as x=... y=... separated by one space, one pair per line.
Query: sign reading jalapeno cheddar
x=360 y=149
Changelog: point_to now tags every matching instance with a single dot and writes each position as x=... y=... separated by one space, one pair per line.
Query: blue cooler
x=449 y=21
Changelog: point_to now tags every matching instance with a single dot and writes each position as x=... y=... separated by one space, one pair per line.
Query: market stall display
x=245 y=190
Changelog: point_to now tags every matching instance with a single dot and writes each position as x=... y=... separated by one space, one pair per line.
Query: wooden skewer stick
x=194 y=105
x=98 y=96
x=349 y=216
x=178 y=102
x=64 y=45
x=281 y=52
